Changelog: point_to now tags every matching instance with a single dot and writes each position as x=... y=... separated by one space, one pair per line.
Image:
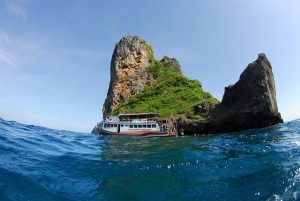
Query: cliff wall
x=139 y=83
x=249 y=103
x=128 y=73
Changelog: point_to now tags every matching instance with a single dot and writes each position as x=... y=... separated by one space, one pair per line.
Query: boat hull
x=137 y=133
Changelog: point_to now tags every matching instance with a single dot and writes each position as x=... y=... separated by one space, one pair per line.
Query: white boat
x=145 y=124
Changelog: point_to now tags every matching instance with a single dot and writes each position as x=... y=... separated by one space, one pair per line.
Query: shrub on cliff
x=171 y=92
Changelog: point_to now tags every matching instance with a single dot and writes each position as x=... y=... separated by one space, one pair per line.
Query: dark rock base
x=250 y=103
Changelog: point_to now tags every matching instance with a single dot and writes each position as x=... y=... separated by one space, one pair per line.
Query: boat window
x=104 y=125
x=140 y=126
x=144 y=126
x=110 y=125
x=115 y=125
x=153 y=126
x=135 y=126
x=148 y=126
x=131 y=126
x=121 y=125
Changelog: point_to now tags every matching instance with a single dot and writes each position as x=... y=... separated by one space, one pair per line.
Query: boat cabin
x=132 y=124
x=143 y=117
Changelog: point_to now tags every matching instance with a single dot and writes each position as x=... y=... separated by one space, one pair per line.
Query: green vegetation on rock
x=171 y=92
x=150 y=51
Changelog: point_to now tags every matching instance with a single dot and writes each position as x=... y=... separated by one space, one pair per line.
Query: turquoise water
x=38 y=163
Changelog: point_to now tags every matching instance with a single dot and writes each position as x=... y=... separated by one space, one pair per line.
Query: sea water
x=38 y=164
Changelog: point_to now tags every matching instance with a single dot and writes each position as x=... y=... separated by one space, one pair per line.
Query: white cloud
x=17 y=10
x=6 y=58
x=4 y=38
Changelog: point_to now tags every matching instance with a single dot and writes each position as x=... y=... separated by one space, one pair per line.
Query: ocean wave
x=38 y=163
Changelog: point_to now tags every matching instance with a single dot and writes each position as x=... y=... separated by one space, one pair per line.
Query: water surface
x=38 y=163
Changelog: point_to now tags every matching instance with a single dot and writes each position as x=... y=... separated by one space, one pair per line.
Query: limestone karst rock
x=139 y=83
x=171 y=63
x=249 y=103
x=128 y=73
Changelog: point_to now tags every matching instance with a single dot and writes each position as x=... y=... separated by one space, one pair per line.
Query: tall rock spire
x=249 y=103
x=128 y=74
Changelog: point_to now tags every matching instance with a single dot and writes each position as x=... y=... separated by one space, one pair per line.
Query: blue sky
x=55 y=55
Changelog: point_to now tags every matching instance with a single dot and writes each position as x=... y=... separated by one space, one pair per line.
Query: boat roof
x=138 y=114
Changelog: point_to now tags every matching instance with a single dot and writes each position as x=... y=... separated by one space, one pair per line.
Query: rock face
x=128 y=71
x=250 y=103
x=96 y=129
x=171 y=63
x=204 y=108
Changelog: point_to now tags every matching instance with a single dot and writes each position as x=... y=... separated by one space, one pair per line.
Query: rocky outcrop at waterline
x=141 y=84
x=250 y=103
